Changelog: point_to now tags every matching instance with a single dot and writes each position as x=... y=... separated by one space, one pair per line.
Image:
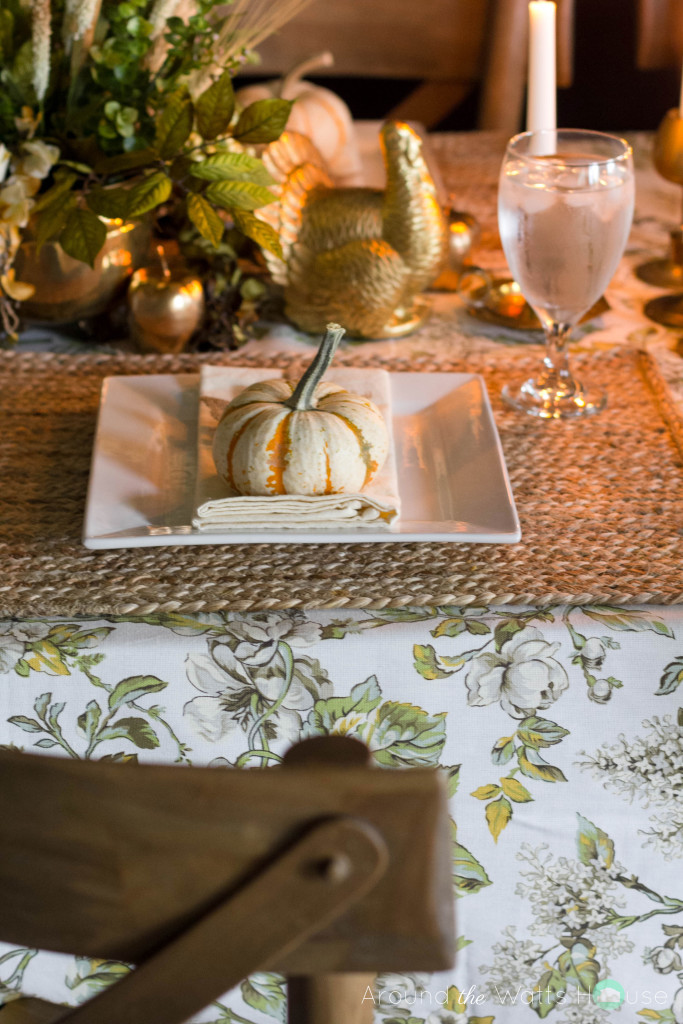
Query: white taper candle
x=542 y=86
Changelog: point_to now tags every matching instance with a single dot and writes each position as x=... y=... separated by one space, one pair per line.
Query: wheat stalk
x=245 y=24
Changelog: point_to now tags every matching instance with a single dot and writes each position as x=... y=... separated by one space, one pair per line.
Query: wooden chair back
x=449 y=44
x=126 y=862
x=660 y=34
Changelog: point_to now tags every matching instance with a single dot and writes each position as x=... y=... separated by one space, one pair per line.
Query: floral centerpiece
x=115 y=110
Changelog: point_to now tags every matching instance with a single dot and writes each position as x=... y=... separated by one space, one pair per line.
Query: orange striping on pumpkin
x=278 y=448
x=328 y=473
x=231 y=451
x=370 y=465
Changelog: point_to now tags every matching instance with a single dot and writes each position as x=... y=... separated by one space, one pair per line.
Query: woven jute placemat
x=600 y=503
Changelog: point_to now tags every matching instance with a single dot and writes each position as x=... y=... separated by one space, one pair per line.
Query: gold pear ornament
x=358 y=256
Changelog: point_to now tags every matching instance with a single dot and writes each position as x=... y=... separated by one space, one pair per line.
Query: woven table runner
x=600 y=504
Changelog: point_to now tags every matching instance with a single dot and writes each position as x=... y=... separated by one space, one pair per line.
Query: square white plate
x=452 y=477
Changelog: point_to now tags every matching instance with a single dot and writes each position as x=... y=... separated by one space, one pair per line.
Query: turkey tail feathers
x=297 y=168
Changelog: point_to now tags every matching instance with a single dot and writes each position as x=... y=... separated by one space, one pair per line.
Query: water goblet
x=565 y=205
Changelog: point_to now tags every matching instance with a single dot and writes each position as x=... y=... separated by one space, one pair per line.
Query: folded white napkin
x=218 y=509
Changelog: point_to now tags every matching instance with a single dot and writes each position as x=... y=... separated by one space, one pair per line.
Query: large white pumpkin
x=310 y=437
x=318 y=113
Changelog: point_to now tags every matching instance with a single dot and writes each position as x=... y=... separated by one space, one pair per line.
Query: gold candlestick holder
x=668 y=273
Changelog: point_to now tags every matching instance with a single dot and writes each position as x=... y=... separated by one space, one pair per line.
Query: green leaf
x=540 y=732
x=477 y=628
x=427 y=662
x=454 y=1001
x=468 y=874
x=505 y=630
x=534 y=767
x=593 y=844
x=173 y=126
x=486 y=792
x=109 y=202
x=215 y=108
x=671 y=678
x=27 y=724
x=83 y=236
x=498 y=814
x=239 y=195
x=41 y=705
x=336 y=714
x=90 y=719
x=56 y=192
x=129 y=690
x=232 y=167
x=149 y=193
x=137 y=730
x=263 y=121
x=22 y=669
x=126 y=161
x=551 y=986
x=50 y=223
x=503 y=750
x=453 y=774
x=679 y=717
x=46 y=742
x=627 y=619
x=260 y=232
x=205 y=219
x=449 y=627
x=45 y=656
x=404 y=735
x=516 y=791
x=266 y=992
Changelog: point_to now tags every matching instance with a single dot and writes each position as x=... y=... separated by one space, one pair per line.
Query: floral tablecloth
x=561 y=729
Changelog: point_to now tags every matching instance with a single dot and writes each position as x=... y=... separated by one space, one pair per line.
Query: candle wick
x=164 y=262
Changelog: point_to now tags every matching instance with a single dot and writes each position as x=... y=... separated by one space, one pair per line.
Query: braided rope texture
x=600 y=504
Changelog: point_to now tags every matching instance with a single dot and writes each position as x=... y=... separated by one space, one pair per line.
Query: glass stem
x=557 y=377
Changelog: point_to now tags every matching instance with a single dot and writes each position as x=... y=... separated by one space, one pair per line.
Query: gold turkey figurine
x=359 y=256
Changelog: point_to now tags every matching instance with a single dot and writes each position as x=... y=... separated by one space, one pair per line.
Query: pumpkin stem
x=321 y=60
x=302 y=396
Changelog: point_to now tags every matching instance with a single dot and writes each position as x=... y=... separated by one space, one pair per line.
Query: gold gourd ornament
x=359 y=255
x=306 y=437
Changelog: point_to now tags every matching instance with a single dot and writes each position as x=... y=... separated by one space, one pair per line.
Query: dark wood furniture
x=201 y=876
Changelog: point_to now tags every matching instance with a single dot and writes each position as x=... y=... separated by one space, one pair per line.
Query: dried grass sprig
x=243 y=25
x=41 y=32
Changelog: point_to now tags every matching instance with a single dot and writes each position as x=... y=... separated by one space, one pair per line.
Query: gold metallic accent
x=500 y=301
x=165 y=307
x=668 y=160
x=464 y=232
x=68 y=290
x=358 y=256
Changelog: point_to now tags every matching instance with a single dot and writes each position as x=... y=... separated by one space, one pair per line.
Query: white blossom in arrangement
x=650 y=769
x=41 y=31
x=36 y=158
x=524 y=676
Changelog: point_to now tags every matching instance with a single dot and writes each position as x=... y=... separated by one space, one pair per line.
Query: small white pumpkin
x=318 y=113
x=310 y=437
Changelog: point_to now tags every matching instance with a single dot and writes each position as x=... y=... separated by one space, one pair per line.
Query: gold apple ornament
x=165 y=305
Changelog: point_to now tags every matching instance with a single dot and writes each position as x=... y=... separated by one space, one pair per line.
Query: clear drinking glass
x=565 y=205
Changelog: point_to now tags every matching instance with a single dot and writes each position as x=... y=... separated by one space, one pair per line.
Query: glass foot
x=538 y=400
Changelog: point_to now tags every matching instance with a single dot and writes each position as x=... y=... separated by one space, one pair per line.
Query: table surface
x=561 y=728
